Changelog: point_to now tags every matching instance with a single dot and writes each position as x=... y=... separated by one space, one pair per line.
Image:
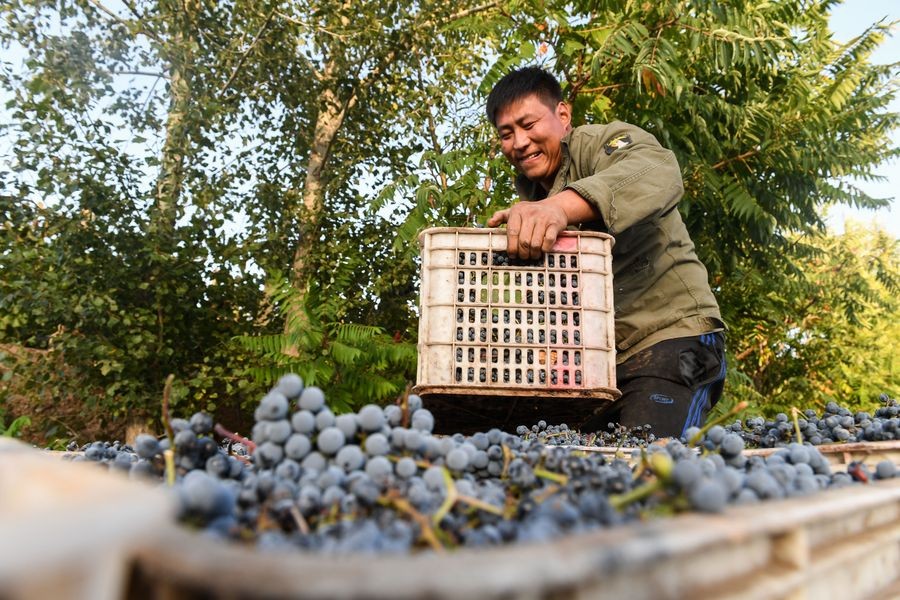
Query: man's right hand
x=532 y=227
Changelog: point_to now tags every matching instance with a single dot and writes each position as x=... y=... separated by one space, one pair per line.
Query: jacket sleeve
x=629 y=184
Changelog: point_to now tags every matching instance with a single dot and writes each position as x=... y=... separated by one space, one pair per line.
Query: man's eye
x=528 y=125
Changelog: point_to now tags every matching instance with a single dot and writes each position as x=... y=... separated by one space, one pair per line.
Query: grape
x=330 y=440
x=423 y=420
x=312 y=399
x=393 y=414
x=434 y=478
x=371 y=417
x=268 y=454
x=290 y=385
x=273 y=407
x=413 y=440
x=288 y=469
x=406 y=467
x=379 y=468
x=885 y=470
x=297 y=446
x=303 y=421
x=218 y=466
x=314 y=461
x=333 y=495
x=332 y=475
x=202 y=495
x=414 y=402
x=324 y=419
x=147 y=446
x=278 y=431
x=185 y=441
x=686 y=474
x=347 y=424
x=377 y=445
x=708 y=495
x=732 y=444
x=201 y=423
x=350 y=458
x=457 y=459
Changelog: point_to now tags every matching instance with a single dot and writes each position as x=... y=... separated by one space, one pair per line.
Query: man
x=616 y=178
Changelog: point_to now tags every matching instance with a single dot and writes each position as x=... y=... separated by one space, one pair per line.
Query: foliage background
x=230 y=191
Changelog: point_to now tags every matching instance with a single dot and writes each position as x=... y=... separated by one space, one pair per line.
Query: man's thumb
x=498 y=218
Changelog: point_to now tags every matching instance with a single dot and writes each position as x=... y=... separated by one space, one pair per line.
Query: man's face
x=530 y=134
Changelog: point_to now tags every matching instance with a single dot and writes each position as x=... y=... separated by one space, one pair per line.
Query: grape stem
x=480 y=504
x=449 y=501
x=302 y=525
x=169 y=456
x=739 y=408
x=620 y=501
x=404 y=406
x=167 y=394
x=428 y=533
x=556 y=477
x=794 y=413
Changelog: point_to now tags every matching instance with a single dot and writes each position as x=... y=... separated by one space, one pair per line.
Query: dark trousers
x=671 y=386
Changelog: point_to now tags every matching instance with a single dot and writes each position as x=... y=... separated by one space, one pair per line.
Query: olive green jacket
x=661 y=289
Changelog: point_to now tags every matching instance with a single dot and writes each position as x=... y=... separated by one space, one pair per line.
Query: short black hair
x=520 y=83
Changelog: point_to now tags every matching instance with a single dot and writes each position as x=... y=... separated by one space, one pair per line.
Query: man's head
x=520 y=83
x=531 y=119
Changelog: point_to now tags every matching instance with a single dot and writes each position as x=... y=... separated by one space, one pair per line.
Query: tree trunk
x=328 y=123
x=178 y=53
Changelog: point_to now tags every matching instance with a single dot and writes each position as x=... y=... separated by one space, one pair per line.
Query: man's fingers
x=513 y=224
x=498 y=218
x=526 y=247
x=550 y=235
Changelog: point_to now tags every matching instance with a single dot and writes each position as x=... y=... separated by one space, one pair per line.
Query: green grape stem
x=739 y=408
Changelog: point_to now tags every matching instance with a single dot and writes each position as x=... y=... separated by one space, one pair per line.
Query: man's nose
x=520 y=139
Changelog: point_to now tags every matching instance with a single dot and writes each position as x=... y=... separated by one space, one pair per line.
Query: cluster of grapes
x=502 y=259
x=615 y=436
x=710 y=470
x=194 y=448
x=836 y=424
x=378 y=480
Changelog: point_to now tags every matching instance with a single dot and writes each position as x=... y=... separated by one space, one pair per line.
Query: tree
x=765 y=112
x=822 y=326
x=113 y=251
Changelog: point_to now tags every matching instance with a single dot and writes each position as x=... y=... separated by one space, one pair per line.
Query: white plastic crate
x=540 y=327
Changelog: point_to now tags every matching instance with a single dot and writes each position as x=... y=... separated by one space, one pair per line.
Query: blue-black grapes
x=361 y=482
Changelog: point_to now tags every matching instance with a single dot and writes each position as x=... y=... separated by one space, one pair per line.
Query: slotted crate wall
x=488 y=324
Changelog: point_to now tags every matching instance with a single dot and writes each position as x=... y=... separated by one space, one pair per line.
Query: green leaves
x=356 y=363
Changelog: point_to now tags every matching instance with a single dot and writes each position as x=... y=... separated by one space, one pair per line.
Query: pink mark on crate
x=565 y=244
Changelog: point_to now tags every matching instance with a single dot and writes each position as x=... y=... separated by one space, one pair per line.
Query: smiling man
x=616 y=178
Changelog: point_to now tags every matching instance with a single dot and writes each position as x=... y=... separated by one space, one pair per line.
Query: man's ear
x=564 y=114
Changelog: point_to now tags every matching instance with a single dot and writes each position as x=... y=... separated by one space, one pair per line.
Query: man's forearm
x=577 y=209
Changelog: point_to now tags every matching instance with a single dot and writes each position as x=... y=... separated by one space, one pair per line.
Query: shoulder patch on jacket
x=615 y=142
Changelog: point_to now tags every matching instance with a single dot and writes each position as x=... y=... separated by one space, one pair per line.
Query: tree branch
x=144 y=73
x=740 y=157
x=123 y=22
x=246 y=52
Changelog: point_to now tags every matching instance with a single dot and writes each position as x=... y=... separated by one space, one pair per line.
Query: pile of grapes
x=616 y=436
x=379 y=481
x=837 y=424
